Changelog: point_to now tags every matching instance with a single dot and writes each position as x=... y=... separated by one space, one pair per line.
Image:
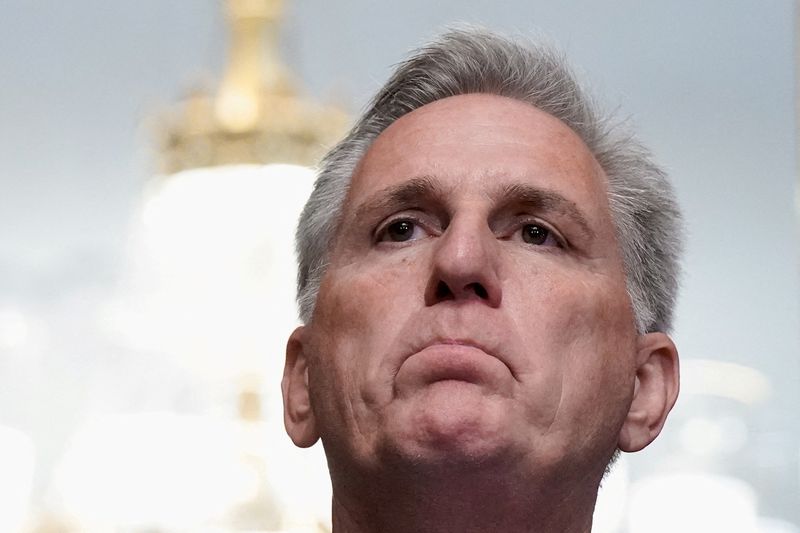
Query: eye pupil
x=534 y=234
x=399 y=231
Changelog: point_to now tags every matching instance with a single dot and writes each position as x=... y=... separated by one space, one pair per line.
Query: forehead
x=478 y=141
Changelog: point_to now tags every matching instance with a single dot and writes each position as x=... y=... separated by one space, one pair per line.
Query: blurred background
x=155 y=155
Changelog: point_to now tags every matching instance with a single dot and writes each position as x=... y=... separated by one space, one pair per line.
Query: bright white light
x=217 y=220
x=300 y=479
x=709 y=377
x=692 y=503
x=212 y=284
x=163 y=470
x=773 y=525
x=705 y=436
x=14 y=329
x=154 y=470
x=211 y=288
x=612 y=498
x=16 y=478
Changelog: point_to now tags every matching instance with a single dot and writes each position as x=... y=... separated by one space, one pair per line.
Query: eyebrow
x=544 y=200
x=425 y=189
x=414 y=191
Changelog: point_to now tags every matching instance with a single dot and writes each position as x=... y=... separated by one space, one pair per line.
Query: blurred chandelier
x=210 y=290
x=257 y=116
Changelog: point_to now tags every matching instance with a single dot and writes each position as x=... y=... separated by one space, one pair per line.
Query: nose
x=465 y=265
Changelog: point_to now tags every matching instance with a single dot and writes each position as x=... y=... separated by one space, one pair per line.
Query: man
x=487 y=276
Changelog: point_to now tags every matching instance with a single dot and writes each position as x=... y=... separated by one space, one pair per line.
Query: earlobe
x=655 y=391
x=298 y=416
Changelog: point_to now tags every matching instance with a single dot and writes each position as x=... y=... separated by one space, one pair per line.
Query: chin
x=452 y=422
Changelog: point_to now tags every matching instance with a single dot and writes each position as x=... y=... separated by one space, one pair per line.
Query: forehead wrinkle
x=545 y=200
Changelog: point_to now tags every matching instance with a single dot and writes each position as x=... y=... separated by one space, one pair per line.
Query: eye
x=539 y=235
x=401 y=230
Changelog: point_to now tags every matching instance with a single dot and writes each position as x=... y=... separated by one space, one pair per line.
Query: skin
x=473 y=336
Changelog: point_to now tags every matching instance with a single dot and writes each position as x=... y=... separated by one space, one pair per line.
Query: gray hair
x=641 y=200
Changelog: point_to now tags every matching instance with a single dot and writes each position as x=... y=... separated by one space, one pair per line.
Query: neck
x=473 y=502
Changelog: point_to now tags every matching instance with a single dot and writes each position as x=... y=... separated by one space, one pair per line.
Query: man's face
x=475 y=303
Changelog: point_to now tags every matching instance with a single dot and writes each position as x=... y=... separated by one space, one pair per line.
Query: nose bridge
x=466 y=261
x=464 y=245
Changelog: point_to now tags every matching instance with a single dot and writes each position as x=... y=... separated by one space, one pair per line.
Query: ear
x=655 y=391
x=298 y=416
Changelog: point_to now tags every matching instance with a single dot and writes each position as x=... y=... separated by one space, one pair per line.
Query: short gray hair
x=463 y=61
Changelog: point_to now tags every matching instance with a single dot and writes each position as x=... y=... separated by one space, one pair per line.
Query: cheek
x=584 y=313
x=600 y=364
x=581 y=333
x=355 y=321
x=603 y=331
x=357 y=304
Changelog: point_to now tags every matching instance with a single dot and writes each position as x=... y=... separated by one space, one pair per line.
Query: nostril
x=443 y=292
x=479 y=290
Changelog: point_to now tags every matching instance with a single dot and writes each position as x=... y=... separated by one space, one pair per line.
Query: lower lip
x=458 y=362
